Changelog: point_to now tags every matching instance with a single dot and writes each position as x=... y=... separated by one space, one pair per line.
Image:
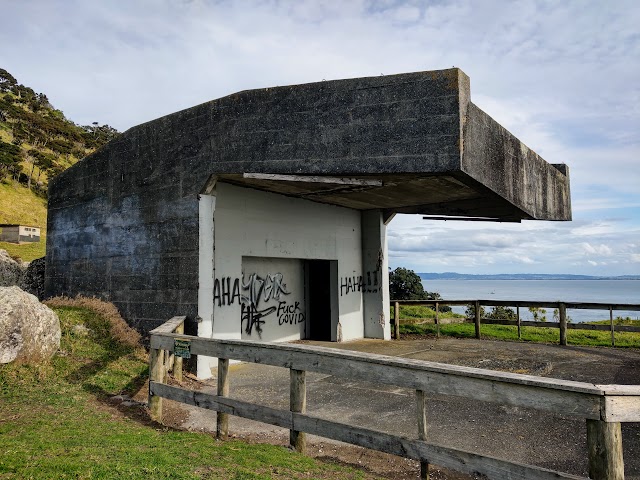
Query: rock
x=33 y=279
x=29 y=330
x=11 y=272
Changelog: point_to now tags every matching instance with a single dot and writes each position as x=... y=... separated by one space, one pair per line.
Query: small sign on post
x=182 y=348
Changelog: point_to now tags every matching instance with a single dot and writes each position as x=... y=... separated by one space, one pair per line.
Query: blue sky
x=564 y=77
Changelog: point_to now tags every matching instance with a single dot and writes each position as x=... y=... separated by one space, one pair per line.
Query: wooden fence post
x=613 y=329
x=156 y=374
x=604 y=446
x=437 y=321
x=422 y=430
x=519 y=327
x=562 y=309
x=477 y=319
x=177 y=361
x=298 y=404
x=222 y=419
x=396 y=321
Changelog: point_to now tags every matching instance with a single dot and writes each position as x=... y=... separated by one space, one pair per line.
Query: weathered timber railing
x=603 y=407
x=163 y=361
x=562 y=307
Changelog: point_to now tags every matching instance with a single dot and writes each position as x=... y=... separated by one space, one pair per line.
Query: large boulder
x=11 y=272
x=29 y=330
x=33 y=280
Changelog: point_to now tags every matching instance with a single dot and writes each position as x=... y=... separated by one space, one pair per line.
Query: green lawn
x=529 y=334
x=56 y=422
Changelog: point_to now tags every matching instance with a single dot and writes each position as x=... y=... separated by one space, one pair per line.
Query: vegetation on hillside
x=78 y=431
x=405 y=284
x=36 y=140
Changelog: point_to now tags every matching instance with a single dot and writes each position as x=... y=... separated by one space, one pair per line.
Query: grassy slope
x=20 y=205
x=73 y=433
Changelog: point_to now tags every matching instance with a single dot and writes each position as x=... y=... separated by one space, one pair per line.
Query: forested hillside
x=36 y=140
x=36 y=143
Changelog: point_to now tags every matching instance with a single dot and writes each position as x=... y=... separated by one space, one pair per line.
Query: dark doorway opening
x=319 y=305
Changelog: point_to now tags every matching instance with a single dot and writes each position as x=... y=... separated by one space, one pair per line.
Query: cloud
x=557 y=75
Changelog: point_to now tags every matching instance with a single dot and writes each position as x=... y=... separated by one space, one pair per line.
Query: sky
x=564 y=77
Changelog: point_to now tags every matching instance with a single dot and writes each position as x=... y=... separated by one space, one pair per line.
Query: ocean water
x=596 y=291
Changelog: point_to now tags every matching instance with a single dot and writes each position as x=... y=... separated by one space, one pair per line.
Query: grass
x=56 y=422
x=420 y=312
x=529 y=334
x=20 y=205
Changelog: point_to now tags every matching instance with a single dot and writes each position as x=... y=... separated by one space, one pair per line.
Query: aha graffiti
x=367 y=283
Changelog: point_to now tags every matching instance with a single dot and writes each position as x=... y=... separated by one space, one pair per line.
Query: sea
x=593 y=291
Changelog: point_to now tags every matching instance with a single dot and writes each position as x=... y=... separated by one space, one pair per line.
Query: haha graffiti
x=367 y=283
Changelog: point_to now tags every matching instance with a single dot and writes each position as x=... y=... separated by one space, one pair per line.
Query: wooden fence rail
x=563 y=324
x=602 y=406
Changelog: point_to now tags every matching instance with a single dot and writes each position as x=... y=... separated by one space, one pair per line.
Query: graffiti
x=290 y=313
x=260 y=290
x=252 y=318
x=270 y=287
x=367 y=283
x=224 y=293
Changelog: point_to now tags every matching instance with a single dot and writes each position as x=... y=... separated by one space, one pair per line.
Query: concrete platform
x=516 y=434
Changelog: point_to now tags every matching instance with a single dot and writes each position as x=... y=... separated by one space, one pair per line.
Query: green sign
x=182 y=348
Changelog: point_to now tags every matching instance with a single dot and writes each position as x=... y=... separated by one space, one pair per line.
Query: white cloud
x=558 y=75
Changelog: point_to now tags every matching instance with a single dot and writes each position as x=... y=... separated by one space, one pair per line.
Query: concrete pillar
x=375 y=276
x=207 y=205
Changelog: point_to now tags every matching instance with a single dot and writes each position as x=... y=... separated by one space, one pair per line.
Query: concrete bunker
x=262 y=215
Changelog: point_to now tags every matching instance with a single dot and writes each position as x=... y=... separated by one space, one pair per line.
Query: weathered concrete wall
x=499 y=161
x=123 y=223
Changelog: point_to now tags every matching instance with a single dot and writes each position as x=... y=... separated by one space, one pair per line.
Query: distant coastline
x=520 y=276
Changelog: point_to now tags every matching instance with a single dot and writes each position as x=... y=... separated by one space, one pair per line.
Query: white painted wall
x=265 y=233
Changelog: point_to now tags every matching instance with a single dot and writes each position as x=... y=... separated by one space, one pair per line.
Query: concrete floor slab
x=517 y=434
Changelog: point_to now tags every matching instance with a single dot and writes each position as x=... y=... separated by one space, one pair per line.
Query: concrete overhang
x=429 y=151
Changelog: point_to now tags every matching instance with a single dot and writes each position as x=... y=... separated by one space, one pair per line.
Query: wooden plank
x=570 y=326
x=314 y=179
x=477 y=319
x=560 y=396
x=397 y=445
x=156 y=374
x=169 y=326
x=222 y=419
x=396 y=321
x=613 y=329
x=226 y=405
x=437 y=320
x=621 y=408
x=519 y=323
x=422 y=429
x=562 y=313
x=298 y=404
x=604 y=446
x=459 y=460
x=177 y=363
x=528 y=303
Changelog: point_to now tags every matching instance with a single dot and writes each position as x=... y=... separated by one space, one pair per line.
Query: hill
x=36 y=143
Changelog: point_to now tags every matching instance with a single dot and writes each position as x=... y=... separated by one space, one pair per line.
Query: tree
x=10 y=157
x=405 y=284
x=502 y=313
x=539 y=314
x=470 y=311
